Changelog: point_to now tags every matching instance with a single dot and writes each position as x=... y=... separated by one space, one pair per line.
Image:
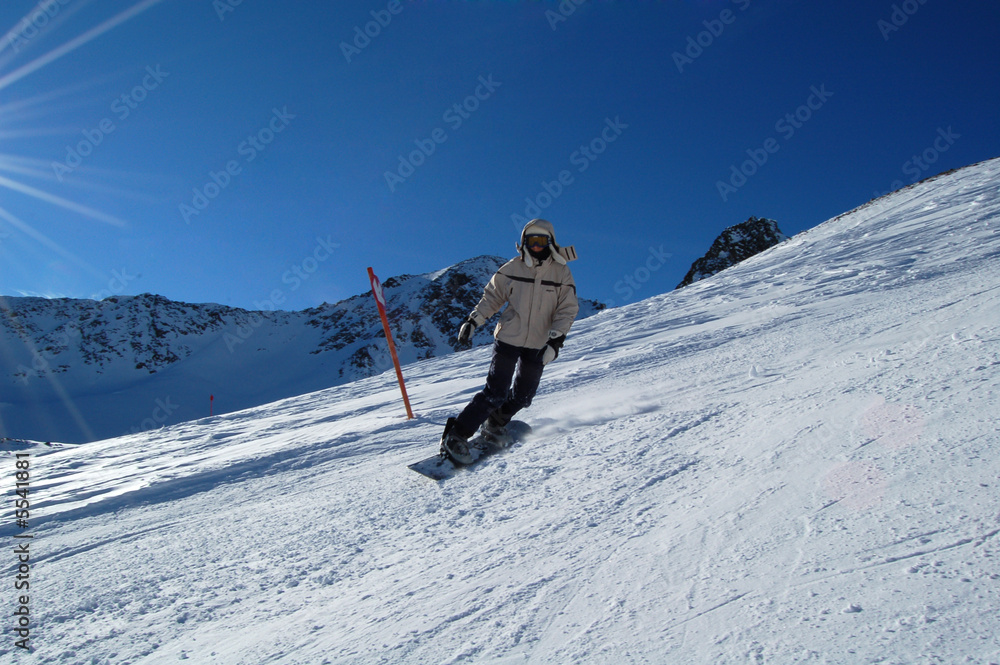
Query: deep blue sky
x=93 y=185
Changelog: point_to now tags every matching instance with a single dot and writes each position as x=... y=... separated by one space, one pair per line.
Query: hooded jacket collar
x=554 y=255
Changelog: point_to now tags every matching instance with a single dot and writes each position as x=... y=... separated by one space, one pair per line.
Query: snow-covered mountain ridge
x=79 y=370
x=794 y=461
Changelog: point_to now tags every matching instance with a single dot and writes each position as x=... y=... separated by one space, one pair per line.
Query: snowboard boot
x=493 y=431
x=454 y=445
x=495 y=428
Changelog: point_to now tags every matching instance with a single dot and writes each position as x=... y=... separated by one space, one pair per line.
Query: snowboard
x=440 y=467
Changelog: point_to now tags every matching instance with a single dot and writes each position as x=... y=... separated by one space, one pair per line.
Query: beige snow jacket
x=540 y=297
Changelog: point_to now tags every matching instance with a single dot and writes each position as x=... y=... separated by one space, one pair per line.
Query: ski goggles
x=536 y=242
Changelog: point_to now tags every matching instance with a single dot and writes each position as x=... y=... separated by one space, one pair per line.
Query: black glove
x=465 y=332
x=551 y=350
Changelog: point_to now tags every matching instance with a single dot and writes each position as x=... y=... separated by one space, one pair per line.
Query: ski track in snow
x=794 y=461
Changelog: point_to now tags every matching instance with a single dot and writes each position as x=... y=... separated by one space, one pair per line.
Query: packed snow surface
x=794 y=461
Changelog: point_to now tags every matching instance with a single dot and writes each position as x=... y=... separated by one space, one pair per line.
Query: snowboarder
x=540 y=295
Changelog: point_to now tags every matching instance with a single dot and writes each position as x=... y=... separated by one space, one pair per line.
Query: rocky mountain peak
x=735 y=244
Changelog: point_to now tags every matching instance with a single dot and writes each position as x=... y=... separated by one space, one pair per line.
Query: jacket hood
x=546 y=226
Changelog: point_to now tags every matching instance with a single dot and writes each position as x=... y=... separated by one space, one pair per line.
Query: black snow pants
x=524 y=366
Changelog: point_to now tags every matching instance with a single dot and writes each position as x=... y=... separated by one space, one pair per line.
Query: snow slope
x=793 y=461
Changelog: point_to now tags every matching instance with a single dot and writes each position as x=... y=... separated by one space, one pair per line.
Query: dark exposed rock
x=735 y=244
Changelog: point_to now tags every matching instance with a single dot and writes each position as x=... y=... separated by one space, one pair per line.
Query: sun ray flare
x=76 y=43
x=72 y=206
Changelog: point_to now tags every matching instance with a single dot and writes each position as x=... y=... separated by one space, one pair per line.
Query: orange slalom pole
x=380 y=301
